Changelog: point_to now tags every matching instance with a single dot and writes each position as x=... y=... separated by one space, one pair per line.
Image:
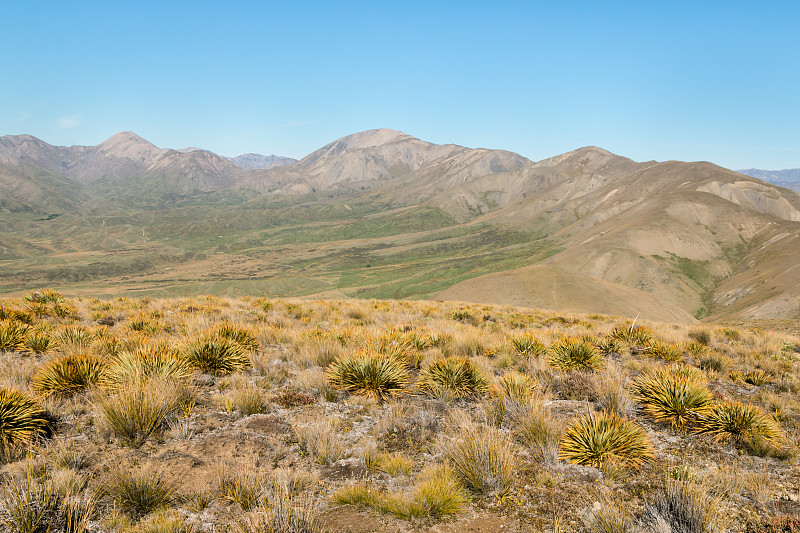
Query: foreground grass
x=201 y=414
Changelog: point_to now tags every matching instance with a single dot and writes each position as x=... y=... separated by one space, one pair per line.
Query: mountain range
x=383 y=214
x=789 y=178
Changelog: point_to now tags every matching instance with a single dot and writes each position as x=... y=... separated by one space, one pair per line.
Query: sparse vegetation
x=478 y=421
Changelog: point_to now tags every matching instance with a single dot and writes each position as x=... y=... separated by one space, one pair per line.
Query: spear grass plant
x=216 y=355
x=671 y=396
x=742 y=424
x=575 y=354
x=12 y=336
x=457 y=375
x=22 y=420
x=369 y=374
x=606 y=438
x=67 y=375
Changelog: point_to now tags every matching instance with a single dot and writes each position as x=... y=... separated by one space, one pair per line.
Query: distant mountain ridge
x=789 y=178
x=383 y=214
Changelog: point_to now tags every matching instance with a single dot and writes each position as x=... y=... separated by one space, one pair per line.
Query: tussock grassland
x=255 y=414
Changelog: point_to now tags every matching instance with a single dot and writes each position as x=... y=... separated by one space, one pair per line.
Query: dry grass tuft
x=140 y=491
x=482 y=457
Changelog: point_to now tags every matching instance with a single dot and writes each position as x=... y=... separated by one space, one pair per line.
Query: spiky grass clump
x=662 y=350
x=68 y=375
x=21 y=420
x=44 y=296
x=681 y=507
x=632 y=334
x=243 y=336
x=149 y=360
x=482 y=457
x=240 y=486
x=741 y=423
x=369 y=374
x=285 y=513
x=439 y=493
x=216 y=355
x=575 y=354
x=673 y=397
x=31 y=505
x=527 y=345
x=604 y=439
x=457 y=375
x=12 y=336
x=322 y=441
x=137 y=409
x=74 y=339
x=139 y=492
x=609 y=517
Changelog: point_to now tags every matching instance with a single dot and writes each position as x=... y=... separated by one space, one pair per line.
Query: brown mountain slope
x=551 y=287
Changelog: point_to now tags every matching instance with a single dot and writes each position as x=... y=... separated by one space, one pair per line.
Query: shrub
x=604 y=439
x=671 y=397
x=139 y=492
x=245 y=338
x=137 y=409
x=216 y=355
x=458 y=375
x=67 y=375
x=741 y=423
x=369 y=374
x=681 y=507
x=575 y=354
x=482 y=458
x=12 y=336
x=21 y=420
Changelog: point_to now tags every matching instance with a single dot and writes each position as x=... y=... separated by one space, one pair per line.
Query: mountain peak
x=128 y=145
x=370 y=138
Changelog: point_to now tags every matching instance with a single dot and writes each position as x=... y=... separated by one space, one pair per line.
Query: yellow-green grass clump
x=147 y=360
x=137 y=409
x=22 y=420
x=12 y=336
x=632 y=334
x=242 y=335
x=672 y=395
x=139 y=492
x=369 y=374
x=733 y=421
x=606 y=439
x=483 y=458
x=575 y=354
x=457 y=375
x=216 y=355
x=68 y=374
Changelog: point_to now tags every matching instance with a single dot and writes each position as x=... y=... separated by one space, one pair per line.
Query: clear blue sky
x=716 y=81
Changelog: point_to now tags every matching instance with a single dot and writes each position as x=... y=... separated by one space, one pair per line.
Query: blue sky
x=717 y=81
